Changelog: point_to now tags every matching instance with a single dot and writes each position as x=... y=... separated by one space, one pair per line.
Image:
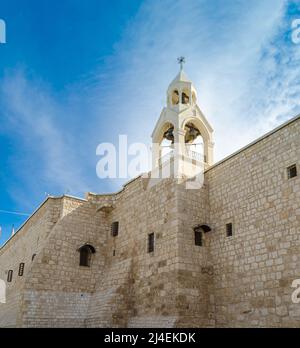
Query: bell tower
x=182 y=130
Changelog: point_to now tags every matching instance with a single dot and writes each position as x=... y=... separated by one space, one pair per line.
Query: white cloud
x=44 y=158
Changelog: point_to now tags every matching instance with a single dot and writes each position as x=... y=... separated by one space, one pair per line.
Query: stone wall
x=58 y=289
x=138 y=285
x=29 y=240
x=194 y=293
x=254 y=269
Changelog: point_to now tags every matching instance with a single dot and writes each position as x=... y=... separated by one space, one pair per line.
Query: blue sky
x=74 y=74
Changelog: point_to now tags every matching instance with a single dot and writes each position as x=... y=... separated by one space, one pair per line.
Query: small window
x=9 y=276
x=33 y=256
x=21 y=269
x=150 y=242
x=292 y=171
x=229 y=229
x=198 y=237
x=115 y=228
x=86 y=252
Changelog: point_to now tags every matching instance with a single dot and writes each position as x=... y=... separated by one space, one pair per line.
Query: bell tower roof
x=181 y=93
x=181 y=77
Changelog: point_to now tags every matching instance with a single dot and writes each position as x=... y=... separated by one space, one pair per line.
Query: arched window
x=33 y=256
x=86 y=252
x=198 y=233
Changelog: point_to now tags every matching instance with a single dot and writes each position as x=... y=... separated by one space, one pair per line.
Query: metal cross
x=181 y=61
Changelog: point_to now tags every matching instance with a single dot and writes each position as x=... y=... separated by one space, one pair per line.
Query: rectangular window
x=292 y=171
x=229 y=229
x=150 y=242
x=115 y=228
x=198 y=238
x=9 y=276
x=21 y=269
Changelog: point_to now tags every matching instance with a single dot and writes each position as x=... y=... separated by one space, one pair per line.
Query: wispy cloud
x=44 y=154
x=232 y=57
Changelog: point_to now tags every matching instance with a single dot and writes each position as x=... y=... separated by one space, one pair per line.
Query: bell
x=194 y=133
x=169 y=134
x=191 y=133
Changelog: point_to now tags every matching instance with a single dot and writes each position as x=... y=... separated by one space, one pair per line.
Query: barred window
x=229 y=229
x=115 y=228
x=21 y=269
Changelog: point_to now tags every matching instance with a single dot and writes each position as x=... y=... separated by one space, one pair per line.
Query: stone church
x=156 y=254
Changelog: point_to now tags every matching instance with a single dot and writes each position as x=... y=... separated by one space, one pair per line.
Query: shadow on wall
x=2 y=291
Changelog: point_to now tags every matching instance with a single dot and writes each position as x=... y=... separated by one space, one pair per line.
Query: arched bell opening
x=167 y=141
x=206 y=135
x=185 y=97
x=194 y=142
x=175 y=97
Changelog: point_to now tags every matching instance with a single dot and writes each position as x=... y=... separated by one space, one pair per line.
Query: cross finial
x=181 y=61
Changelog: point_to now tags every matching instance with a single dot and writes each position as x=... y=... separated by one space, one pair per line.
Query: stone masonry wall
x=139 y=288
x=254 y=269
x=195 y=266
x=58 y=290
x=29 y=240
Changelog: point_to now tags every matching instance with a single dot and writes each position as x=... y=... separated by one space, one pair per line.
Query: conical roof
x=181 y=77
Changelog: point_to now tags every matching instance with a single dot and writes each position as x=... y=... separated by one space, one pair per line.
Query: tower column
x=209 y=147
x=179 y=152
x=179 y=141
